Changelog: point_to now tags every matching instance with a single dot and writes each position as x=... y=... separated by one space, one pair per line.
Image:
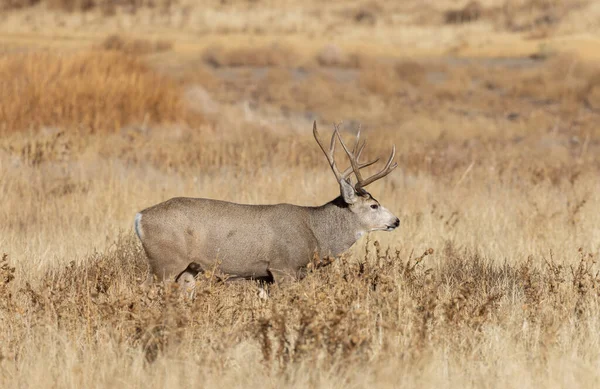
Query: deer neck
x=335 y=227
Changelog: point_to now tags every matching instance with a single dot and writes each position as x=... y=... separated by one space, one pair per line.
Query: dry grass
x=108 y=7
x=491 y=279
x=17 y=4
x=469 y=13
x=506 y=292
x=97 y=91
x=463 y=94
x=566 y=81
x=447 y=317
x=274 y=55
x=116 y=42
x=531 y=15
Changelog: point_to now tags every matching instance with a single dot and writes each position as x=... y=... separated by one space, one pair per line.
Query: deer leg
x=282 y=276
x=187 y=278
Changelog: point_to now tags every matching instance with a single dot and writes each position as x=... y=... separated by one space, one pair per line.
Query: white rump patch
x=138 y=227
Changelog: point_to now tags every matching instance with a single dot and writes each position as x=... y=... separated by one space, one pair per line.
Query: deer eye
x=374 y=206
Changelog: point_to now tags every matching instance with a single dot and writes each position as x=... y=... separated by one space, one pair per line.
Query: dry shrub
x=366 y=13
x=469 y=13
x=98 y=91
x=135 y=46
x=48 y=146
x=17 y=4
x=377 y=307
x=72 y=5
x=265 y=56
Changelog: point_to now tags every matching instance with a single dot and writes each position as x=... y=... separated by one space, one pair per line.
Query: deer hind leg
x=187 y=278
x=282 y=276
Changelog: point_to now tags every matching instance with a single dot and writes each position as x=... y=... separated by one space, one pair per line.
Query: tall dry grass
x=491 y=279
x=382 y=319
x=506 y=289
x=98 y=91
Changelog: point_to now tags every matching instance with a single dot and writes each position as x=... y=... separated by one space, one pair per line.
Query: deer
x=183 y=237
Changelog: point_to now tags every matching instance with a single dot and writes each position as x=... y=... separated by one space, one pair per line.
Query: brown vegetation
x=385 y=311
x=469 y=13
x=384 y=92
x=274 y=55
x=134 y=46
x=491 y=279
x=107 y=6
x=97 y=91
x=505 y=284
x=535 y=14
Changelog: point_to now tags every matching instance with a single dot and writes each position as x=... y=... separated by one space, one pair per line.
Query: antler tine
x=384 y=172
x=356 y=144
x=354 y=156
x=332 y=146
x=361 y=148
x=353 y=159
x=329 y=154
x=356 y=152
x=360 y=166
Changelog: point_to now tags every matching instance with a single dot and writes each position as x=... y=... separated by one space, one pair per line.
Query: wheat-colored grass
x=508 y=296
x=89 y=91
x=400 y=29
x=490 y=281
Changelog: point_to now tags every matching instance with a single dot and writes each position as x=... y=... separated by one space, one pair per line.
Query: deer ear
x=348 y=192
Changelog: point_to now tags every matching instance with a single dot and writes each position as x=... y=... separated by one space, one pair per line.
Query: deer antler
x=355 y=165
x=329 y=154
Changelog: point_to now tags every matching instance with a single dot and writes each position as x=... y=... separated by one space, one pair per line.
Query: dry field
x=491 y=280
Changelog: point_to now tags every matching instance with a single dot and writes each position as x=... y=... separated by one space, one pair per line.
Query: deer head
x=369 y=212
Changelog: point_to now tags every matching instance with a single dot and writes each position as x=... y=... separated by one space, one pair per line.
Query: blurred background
x=109 y=106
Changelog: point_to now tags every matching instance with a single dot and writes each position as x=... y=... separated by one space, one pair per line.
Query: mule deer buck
x=186 y=236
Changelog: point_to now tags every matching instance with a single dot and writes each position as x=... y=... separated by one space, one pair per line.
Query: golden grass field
x=491 y=280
